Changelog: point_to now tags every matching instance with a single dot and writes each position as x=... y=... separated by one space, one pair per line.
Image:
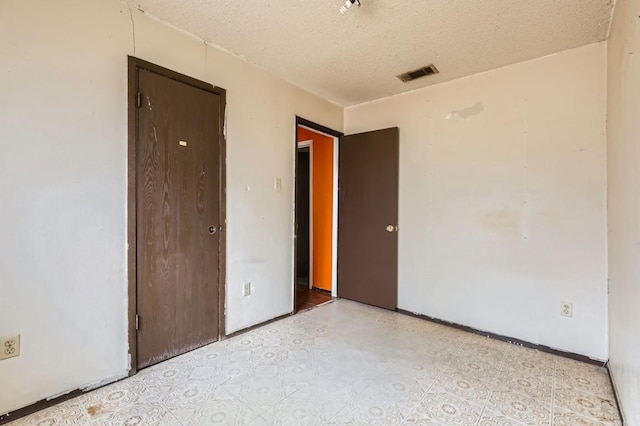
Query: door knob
x=212 y=229
x=390 y=228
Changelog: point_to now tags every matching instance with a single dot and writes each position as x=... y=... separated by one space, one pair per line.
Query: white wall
x=63 y=136
x=502 y=199
x=623 y=127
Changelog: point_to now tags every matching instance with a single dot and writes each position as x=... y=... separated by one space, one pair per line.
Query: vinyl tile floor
x=344 y=363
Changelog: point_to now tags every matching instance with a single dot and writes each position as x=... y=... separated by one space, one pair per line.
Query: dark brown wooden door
x=368 y=218
x=178 y=193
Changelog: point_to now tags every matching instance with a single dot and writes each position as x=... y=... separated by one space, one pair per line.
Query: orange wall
x=322 y=206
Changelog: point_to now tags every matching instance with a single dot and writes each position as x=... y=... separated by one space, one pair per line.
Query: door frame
x=134 y=65
x=336 y=135
x=309 y=144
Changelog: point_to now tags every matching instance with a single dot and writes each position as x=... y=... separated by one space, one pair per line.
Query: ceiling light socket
x=347 y=5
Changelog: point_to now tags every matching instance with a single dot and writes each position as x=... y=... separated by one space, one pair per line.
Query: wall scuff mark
x=467 y=112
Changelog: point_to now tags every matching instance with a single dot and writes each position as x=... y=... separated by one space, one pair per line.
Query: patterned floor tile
x=422 y=367
x=190 y=393
x=484 y=348
x=149 y=413
x=591 y=380
x=341 y=389
x=217 y=408
x=563 y=417
x=537 y=387
x=470 y=388
x=119 y=396
x=571 y=366
x=162 y=376
x=260 y=421
x=520 y=360
x=440 y=407
x=520 y=407
x=495 y=418
x=486 y=370
x=403 y=390
x=369 y=411
x=350 y=364
x=587 y=405
x=295 y=411
x=67 y=413
x=260 y=392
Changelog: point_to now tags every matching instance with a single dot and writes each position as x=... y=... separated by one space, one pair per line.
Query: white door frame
x=334 y=221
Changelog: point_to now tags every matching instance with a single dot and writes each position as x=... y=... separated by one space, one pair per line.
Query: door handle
x=212 y=229
x=391 y=228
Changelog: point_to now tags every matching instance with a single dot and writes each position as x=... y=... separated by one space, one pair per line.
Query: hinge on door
x=137 y=322
x=139 y=99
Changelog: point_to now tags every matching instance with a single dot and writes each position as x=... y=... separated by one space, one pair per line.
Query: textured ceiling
x=354 y=58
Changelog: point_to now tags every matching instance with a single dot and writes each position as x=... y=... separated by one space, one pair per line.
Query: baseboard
x=512 y=340
x=615 y=393
x=37 y=406
x=253 y=327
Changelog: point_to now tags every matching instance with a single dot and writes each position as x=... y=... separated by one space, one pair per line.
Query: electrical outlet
x=246 y=291
x=566 y=309
x=278 y=184
x=9 y=347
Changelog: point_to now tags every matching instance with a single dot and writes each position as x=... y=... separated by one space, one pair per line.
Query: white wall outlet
x=566 y=309
x=277 y=184
x=246 y=290
x=9 y=346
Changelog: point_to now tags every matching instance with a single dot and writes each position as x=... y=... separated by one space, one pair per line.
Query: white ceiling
x=354 y=58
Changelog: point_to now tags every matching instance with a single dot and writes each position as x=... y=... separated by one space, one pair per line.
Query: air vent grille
x=419 y=73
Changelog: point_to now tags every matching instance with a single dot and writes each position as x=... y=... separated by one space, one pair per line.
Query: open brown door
x=178 y=217
x=368 y=218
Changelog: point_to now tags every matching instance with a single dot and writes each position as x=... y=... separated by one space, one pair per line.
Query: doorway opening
x=316 y=214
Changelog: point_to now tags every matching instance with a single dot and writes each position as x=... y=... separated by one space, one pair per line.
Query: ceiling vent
x=419 y=73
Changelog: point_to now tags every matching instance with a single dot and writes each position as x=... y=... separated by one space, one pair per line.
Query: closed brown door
x=368 y=218
x=178 y=193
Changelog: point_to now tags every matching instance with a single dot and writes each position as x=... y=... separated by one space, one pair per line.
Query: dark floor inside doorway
x=308 y=298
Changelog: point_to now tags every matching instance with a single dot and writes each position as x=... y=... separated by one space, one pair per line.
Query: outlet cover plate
x=566 y=309
x=246 y=290
x=9 y=347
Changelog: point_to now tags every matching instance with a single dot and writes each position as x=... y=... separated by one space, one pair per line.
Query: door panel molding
x=134 y=66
